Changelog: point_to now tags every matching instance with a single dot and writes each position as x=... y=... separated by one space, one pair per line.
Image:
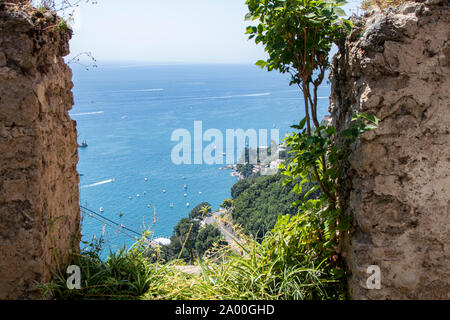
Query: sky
x=161 y=31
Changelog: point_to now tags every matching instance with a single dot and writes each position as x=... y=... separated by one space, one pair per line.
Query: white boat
x=187 y=204
x=162 y=241
x=164 y=191
x=185 y=195
x=101 y=209
x=200 y=193
x=171 y=205
x=185 y=186
x=138 y=195
x=146 y=179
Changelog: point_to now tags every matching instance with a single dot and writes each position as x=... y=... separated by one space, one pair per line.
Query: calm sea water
x=127 y=115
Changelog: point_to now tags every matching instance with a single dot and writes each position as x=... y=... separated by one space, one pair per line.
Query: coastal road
x=227 y=232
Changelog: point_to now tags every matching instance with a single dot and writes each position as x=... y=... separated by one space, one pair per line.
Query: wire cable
x=109 y=220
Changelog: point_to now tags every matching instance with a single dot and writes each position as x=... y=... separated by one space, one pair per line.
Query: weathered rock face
x=39 y=211
x=396 y=65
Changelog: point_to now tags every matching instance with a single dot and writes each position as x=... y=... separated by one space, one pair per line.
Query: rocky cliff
x=39 y=212
x=396 y=65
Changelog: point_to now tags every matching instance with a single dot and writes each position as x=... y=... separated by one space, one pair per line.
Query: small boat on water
x=83 y=144
x=146 y=179
x=185 y=195
x=200 y=193
x=171 y=205
x=187 y=204
x=185 y=186
x=164 y=191
x=101 y=209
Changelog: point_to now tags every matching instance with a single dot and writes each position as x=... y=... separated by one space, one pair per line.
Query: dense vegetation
x=189 y=241
x=273 y=269
x=258 y=201
x=246 y=170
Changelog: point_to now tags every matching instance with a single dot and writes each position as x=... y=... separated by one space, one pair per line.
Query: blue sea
x=127 y=113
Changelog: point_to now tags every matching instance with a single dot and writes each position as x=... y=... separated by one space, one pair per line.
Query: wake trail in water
x=139 y=90
x=148 y=90
x=87 y=113
x=238 y=96
x=97 y=184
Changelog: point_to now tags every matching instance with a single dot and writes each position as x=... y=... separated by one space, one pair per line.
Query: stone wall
x=39 y=211
x=396 y=65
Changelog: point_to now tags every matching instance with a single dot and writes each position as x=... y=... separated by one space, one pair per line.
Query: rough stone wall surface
x=39 y=211
x=396 y=65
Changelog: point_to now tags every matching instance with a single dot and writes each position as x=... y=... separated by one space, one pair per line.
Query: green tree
x=262 y=200
x=240 y=187
x=227 y=204
x=199 y=211
x=298 y=36
x=245 y=169
x=207 y=238
x=186 y=232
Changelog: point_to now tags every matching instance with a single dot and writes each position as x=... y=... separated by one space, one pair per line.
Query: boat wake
x=140 y=90
x=240 y=96
x=97 y=184
x=148 y=90
x=87 y=113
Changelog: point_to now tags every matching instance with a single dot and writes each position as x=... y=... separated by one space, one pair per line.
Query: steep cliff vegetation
x=258 y=201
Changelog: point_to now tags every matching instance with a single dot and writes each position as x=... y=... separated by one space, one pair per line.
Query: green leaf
x=339 y=11
x=261 y=63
